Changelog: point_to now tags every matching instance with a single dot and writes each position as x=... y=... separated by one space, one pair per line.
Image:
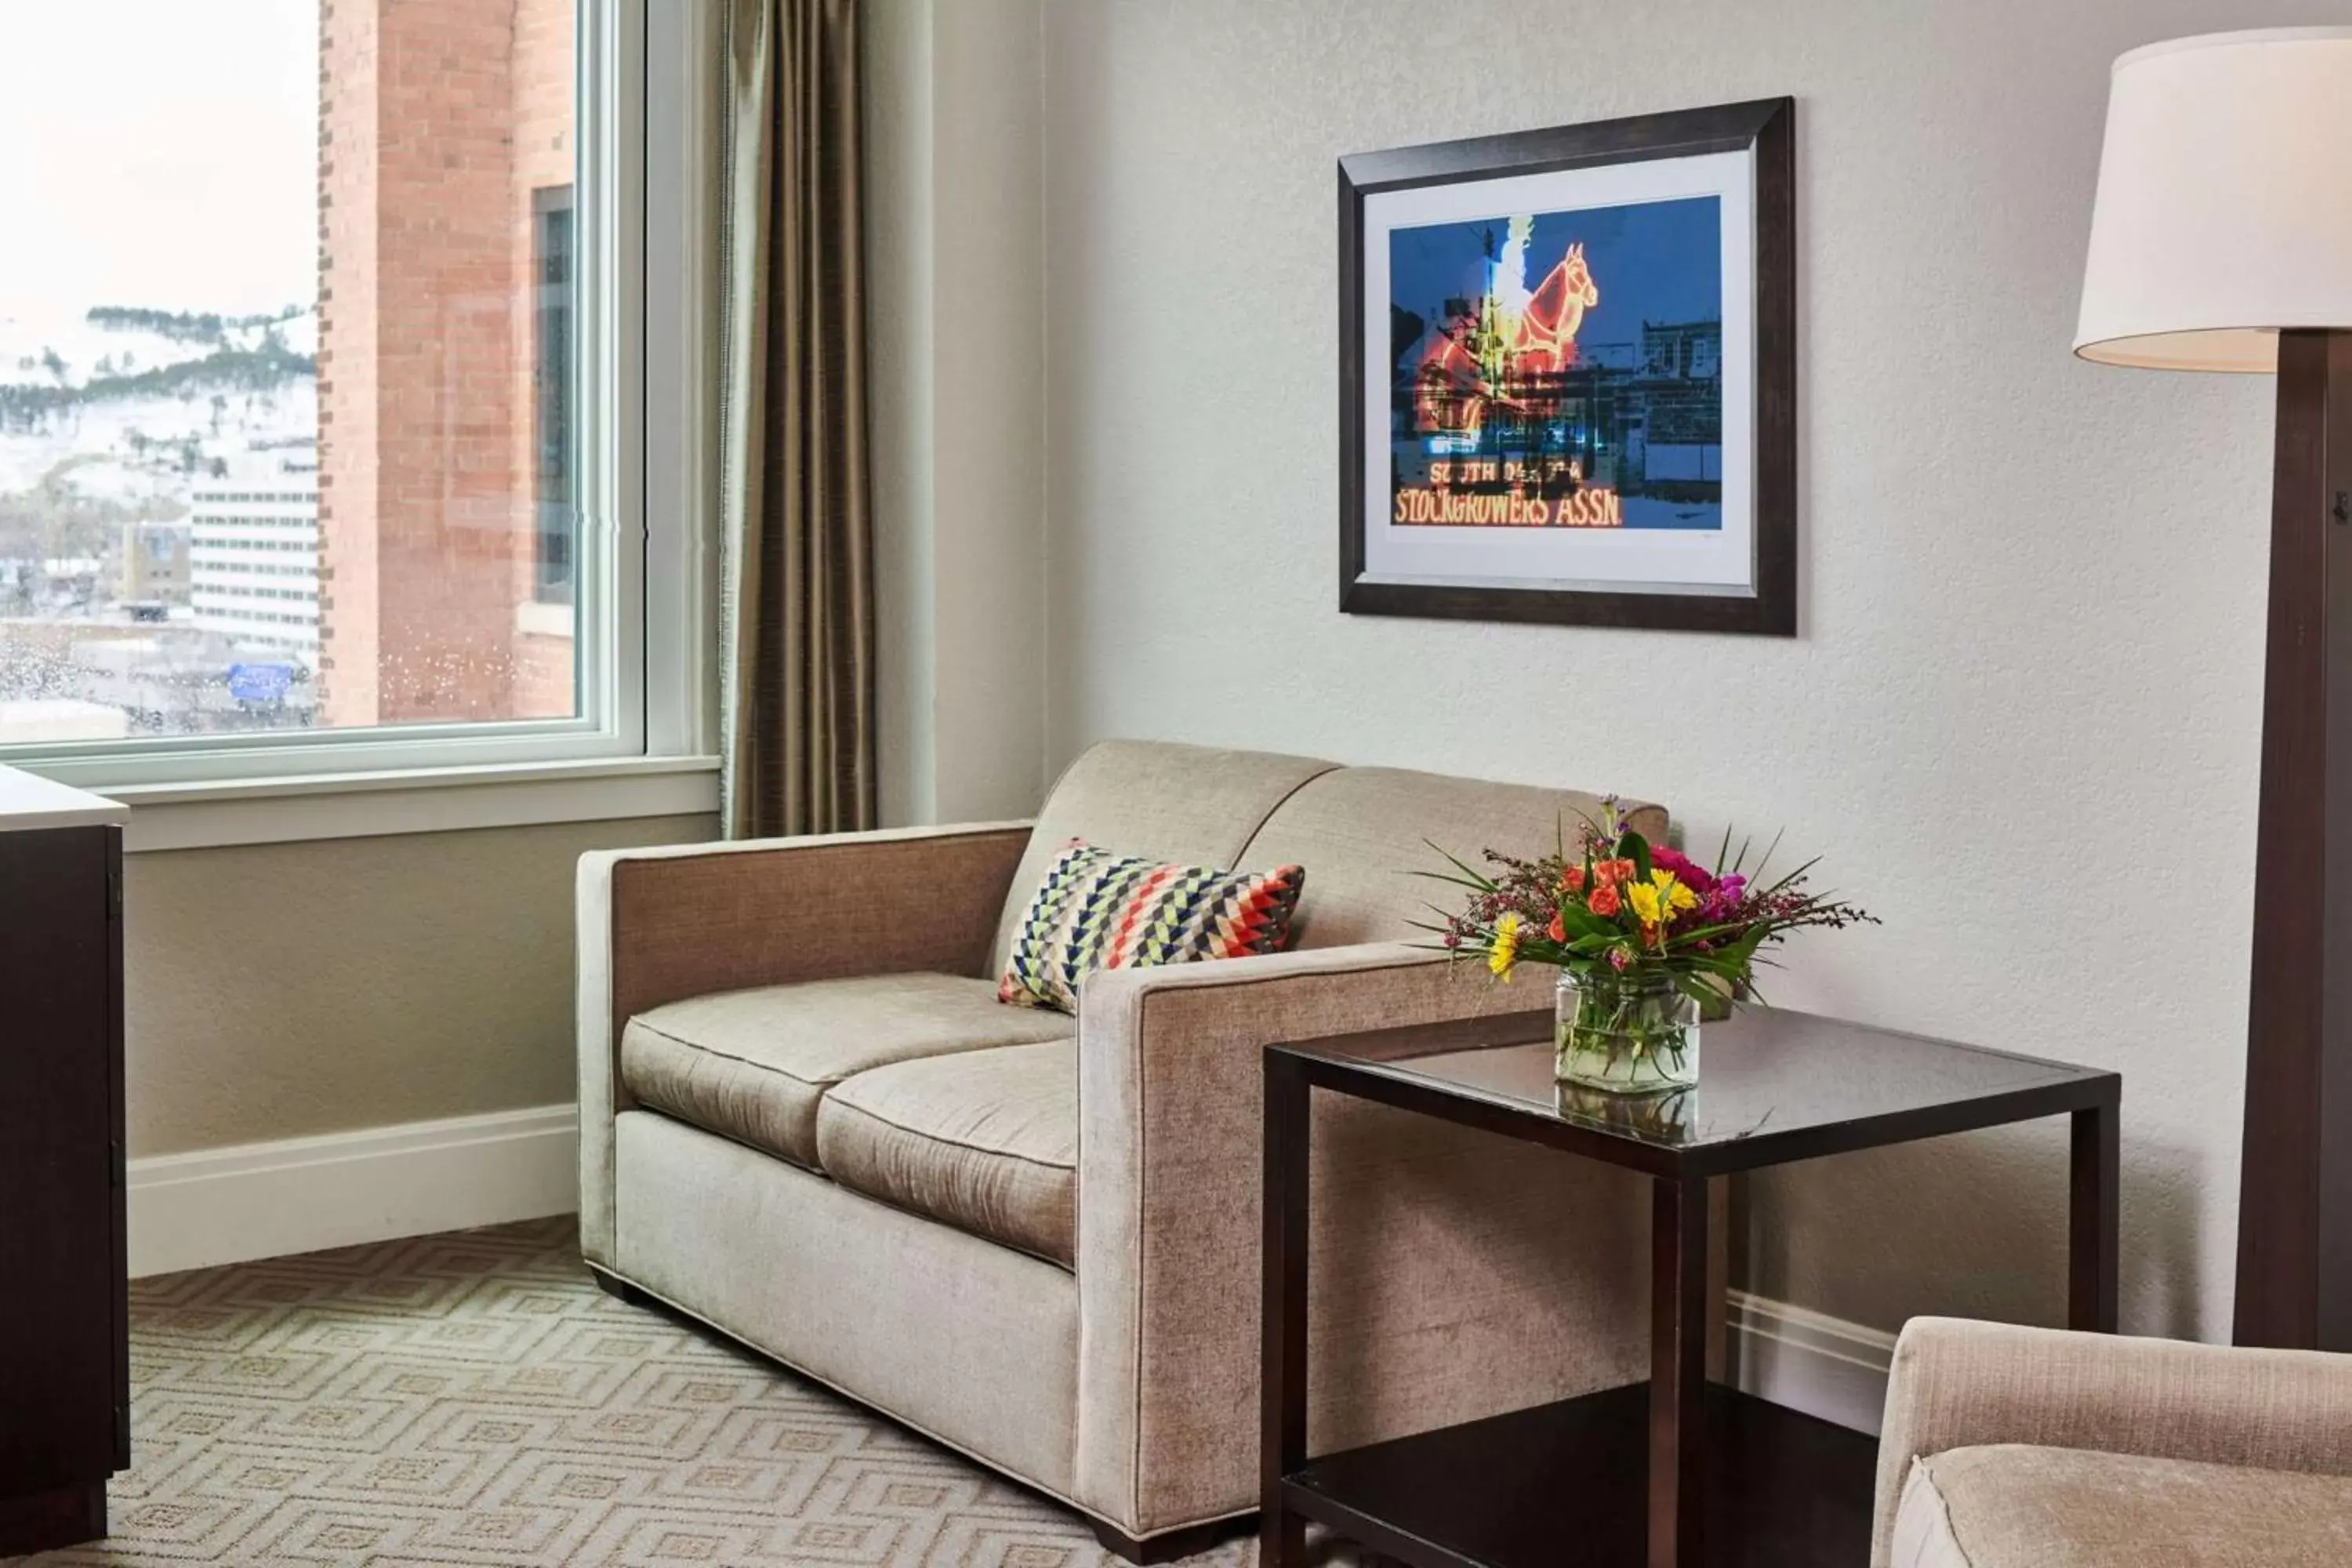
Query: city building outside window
x=298 y=447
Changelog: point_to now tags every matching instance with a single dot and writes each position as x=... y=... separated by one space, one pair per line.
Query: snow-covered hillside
x=132 y=406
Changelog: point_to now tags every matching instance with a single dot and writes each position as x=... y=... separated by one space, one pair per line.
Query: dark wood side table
x=65 y=1373
x=1673 y=1473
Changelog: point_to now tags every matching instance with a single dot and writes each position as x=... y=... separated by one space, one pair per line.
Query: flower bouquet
x=1644 y=938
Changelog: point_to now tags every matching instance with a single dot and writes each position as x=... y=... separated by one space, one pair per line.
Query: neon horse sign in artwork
x=1516 y=335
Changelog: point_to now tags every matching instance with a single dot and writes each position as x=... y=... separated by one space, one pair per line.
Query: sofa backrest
x=1195 y=805
x=1360 y=832
x=1365 y=835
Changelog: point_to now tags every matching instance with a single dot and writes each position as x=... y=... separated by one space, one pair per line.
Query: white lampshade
x=2224 y=212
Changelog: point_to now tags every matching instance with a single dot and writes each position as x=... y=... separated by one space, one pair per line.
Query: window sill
x=428 y=800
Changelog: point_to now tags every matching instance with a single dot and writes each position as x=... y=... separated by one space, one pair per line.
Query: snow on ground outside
x=101 y=434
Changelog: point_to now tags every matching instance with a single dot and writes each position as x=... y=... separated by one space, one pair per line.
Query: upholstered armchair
x=2017 y=1447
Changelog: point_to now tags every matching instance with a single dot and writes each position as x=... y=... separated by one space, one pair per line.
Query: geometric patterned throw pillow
x=1095 y=910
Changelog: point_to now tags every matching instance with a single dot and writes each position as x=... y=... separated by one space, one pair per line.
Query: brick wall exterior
x=348 y=37
x=438 y=120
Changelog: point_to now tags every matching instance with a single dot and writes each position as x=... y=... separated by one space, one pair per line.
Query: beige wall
x=279 y=990
x=955 y=209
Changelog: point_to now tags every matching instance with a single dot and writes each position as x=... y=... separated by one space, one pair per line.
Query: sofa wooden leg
x=1172 y=1544
x=39 y=1521
x=622 y=1291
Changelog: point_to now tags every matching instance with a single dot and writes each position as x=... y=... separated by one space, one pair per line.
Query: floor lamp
x=2221 y=240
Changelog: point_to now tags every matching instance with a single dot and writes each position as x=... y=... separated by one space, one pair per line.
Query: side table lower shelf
x=1567 y=1483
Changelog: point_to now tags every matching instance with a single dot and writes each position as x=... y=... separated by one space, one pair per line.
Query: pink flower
x=1725 y=898
x=1619 y=958
x=1697 y=877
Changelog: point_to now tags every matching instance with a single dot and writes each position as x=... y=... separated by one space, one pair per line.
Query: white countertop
x=28 y=802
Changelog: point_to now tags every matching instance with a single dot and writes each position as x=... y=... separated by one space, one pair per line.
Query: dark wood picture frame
x=1768 y=127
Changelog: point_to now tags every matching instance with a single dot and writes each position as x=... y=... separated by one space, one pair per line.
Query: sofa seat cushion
x=2014 y=1505
x=754 y=1065
x=984 y=1141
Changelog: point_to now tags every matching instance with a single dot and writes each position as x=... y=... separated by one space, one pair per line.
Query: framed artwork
x=1568 y=379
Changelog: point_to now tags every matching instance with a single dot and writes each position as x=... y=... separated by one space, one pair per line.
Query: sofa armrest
x=662 y=925
x=1957 y=1383
x=1440 y=1287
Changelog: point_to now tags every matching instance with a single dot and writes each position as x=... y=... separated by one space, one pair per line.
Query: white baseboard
x=1809 y=1360
x=305 y=1194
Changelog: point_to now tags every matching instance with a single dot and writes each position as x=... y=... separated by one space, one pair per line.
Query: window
x=553 y=372
x=314 y=394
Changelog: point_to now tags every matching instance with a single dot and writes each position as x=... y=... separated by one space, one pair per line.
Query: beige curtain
x=797 y=708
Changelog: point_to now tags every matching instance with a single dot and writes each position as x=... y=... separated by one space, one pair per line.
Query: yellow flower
x=1676 y=891
x=1504 y=950
x=1643 y=897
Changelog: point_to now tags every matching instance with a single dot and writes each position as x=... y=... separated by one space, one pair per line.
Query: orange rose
x=1558 y=929
x=1604 y=900
x=1572 y=880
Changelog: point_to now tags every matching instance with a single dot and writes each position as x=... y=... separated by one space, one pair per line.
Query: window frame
x=646 y=594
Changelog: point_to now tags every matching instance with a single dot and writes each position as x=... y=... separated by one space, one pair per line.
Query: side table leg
x=1678 y=1257
x=2091 y=1221
x=1282 y=1328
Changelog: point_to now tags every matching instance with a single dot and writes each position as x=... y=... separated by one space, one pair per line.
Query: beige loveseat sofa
x=806 y=1121
x=2016 y=1448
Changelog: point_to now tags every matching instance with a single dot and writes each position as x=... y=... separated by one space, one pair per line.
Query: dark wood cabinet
x=64 y=1395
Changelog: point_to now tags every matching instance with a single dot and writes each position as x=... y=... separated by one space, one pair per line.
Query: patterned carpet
x=474 y=1398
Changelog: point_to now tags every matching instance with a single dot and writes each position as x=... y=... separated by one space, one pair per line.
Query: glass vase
x=1625 y=1034
x=1662 y=1117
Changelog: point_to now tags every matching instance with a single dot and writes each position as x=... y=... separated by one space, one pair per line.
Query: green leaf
x=1792 y=877
x=1697 y=989
x=1456 y=881
x=1685 y=937
x=1476 y=879
x=1578 y=918
x=1634 y=847
x=1742 y=954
